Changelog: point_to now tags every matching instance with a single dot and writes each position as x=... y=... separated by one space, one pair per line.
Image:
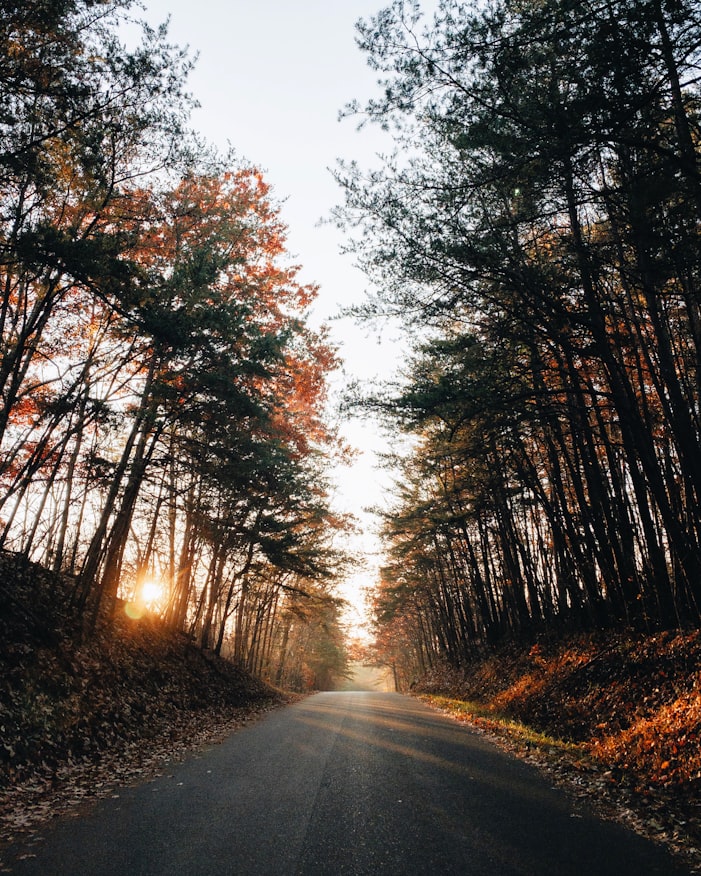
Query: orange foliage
x=633 y=702
x=664 y=747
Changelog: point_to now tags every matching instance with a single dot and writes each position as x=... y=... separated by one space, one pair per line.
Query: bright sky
x=271 y=78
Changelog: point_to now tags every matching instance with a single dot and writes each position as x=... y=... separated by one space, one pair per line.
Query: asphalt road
x=344 y=783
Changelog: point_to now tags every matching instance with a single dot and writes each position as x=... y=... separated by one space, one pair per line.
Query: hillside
x=77 y=718
x=614 y=717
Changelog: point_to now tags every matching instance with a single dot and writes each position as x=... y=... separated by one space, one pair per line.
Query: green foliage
x=538 y=224
x=161 y=394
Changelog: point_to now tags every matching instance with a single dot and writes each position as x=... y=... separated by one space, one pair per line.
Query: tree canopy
x=536 y=231
x=162 y=394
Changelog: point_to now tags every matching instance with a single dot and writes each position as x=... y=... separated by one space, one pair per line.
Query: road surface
x=343 y=783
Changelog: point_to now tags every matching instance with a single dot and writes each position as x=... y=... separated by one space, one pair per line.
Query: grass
x=614 y=717
x=484 y=716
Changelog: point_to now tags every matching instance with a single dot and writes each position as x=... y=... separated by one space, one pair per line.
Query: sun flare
x=148 y=596
x=150 y=592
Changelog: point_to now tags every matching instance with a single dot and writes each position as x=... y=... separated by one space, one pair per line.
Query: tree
x=82 y=117
x=162 y=393
x=540 y=225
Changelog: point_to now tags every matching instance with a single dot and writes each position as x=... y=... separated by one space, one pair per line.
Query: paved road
x=344 y=783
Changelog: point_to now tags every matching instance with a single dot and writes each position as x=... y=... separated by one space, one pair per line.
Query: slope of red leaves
x=620 y=714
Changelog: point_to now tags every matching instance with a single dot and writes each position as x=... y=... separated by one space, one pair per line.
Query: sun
x=150 y=592
x=149 y=596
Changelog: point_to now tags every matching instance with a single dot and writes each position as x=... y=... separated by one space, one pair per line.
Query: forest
x=536 y=232
x=163 y=428
x=170 y=548
x=166 y=445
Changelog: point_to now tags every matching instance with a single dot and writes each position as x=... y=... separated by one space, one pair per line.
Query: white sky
x=271 y=78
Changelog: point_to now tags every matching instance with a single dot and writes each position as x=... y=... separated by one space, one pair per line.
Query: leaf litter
x=613 y=718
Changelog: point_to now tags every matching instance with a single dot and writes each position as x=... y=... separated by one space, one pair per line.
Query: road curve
x=343 y=783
